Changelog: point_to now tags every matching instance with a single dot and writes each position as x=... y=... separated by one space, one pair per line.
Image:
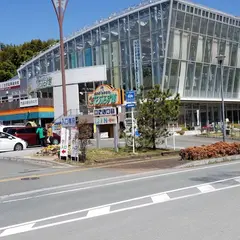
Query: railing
x=15 y=104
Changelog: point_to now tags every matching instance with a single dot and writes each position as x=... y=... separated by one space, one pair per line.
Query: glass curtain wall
x=197 y=37
x=131 y=47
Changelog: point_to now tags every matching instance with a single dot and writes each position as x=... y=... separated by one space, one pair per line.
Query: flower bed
x=51 y=150
x=219 y=149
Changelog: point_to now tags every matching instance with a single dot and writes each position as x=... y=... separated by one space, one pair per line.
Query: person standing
x=49 y=134
x=41 y=136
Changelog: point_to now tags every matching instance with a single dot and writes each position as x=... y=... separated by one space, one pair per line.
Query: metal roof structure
x=115 y=16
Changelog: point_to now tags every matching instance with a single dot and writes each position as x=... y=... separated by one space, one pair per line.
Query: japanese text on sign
x=69 y=121
x=29 y=102
x=105 y=111
x=105 y=120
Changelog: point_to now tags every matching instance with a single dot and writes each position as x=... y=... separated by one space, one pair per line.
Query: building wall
x=134 y=49
x=27 y=113
x=197 y=37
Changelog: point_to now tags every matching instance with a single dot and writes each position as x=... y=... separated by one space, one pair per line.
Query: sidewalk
x=28 y=156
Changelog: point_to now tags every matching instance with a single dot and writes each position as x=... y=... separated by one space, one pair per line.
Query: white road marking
x=98 y=212
x=160 y=198
x=104 y=184
x=237 y=179
x=119 y=210
x=125 y=201
x=15 y=230
x=206 y=188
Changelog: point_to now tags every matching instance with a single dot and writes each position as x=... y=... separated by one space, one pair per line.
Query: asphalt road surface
x=200 y=203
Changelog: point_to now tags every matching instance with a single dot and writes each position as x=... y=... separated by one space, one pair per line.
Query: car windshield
x=4 y=135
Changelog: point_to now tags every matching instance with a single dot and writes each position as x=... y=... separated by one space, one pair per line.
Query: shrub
x=181 y=132
x=219 y=149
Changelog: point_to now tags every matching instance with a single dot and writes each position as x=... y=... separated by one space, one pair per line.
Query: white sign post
x=133 y=131
x=174 y=147
x=74 y=143
x=64 y=142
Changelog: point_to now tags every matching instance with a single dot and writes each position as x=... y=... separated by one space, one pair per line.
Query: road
x=180 y=142
x=199 y=203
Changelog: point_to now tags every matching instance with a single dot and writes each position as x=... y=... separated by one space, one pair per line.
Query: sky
x=24 y=20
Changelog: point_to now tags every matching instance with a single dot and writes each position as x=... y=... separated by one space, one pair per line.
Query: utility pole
x=60 y=8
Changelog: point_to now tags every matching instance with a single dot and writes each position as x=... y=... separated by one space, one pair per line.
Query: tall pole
x=220 y=59
x=223 y=110
x=60 y=8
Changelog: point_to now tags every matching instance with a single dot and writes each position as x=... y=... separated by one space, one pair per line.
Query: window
x=11 y=131
x=22 y=130
x=203 y=28
x=134 y=25
x=3 y=135
x=144 y=21
x=188 y=22
x=114 y=32
x=180 y=20
x=196 y=24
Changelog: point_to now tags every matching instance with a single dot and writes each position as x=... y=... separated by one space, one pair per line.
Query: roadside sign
x=105 y=120
x=130 y=96
x=131 y=105
x=64 y=142
x=74 y=143
x=105 y=111
x=69 y=121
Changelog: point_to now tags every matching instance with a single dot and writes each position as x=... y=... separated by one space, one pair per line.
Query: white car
x=11 y=143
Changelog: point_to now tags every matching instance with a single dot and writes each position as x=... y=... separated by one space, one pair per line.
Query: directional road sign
x=130 y=97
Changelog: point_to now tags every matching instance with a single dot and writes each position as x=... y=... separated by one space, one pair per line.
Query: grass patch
x=109 y=153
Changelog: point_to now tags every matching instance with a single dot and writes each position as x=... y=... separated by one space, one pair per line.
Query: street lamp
x=220 y=59
x=60 y=8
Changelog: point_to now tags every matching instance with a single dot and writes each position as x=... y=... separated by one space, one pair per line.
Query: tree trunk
x=153 y=135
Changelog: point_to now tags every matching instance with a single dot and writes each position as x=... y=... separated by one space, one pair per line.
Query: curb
x=38 y=162
x=228 y=138
x=209 y=161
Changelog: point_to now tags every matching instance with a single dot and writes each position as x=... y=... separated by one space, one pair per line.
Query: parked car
x=29 y=135
x=10 y=143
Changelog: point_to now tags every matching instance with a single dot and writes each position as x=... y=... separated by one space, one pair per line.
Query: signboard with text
x=137 y=63
x=74 y=143
x=130 y=96
x=105 y=95
x=105 y=120
x=69 y=121
x=105 y=111
x=10 y=84
x=30 y=102
x=64 y=142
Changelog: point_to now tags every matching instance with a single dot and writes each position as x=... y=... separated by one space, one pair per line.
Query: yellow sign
x=105 y=95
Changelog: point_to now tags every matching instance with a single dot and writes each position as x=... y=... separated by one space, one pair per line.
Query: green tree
x=155 y=110
x=12 y=56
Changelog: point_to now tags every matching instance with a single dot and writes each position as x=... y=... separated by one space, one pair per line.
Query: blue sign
x=130 y=97
x=130 y=105
x=69 y=121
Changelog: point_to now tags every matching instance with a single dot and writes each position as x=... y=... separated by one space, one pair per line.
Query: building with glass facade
x=173 y=43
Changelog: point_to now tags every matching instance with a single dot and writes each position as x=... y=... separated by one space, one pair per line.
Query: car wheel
x=18 y=147
x=55 y=142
